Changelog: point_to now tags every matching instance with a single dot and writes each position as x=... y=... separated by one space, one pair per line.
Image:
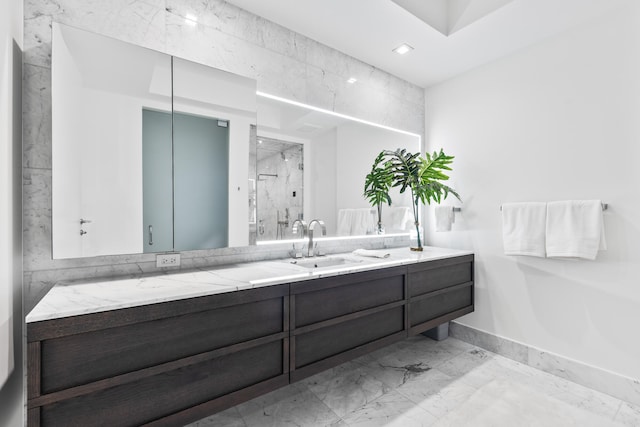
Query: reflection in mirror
x=98 y=103
x=142 y=150
x=280 y=188
x=337 y=153
x=212 y=135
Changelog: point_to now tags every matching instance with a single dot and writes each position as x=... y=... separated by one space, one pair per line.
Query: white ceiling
x=479 y=31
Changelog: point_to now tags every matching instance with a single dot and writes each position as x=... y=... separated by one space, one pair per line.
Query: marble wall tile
x=36 y=221
x=36 y=120
x=627 y=389
x=283 y=62
x=507 y=348
x=37 y=32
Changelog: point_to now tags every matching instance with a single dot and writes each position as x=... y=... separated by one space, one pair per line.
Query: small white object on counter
x=372 y=253
x=76 y=298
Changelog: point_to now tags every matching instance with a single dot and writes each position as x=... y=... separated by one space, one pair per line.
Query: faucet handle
x=296 y=253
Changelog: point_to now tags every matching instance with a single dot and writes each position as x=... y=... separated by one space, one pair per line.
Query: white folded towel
x=371 y=253
x=356 y=222
x=444 y=218
x=523 y=228
x=396 y=218
x=575 y=229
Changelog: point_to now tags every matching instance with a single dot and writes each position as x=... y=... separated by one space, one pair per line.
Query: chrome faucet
x=294 y=227
x=310 y=248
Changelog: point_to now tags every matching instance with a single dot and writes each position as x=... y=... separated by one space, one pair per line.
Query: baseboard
x=616 y=385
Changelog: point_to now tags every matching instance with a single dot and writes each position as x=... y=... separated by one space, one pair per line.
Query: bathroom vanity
x=171 y=349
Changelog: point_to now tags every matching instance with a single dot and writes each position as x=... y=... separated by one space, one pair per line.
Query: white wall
x=358 y=146
x=559 y=120
x=321 y=188
x=11 y=317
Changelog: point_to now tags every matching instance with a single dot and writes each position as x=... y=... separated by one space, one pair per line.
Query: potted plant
x=377 y=184
x=421 y=175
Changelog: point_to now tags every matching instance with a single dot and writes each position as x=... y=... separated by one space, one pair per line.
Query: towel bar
x=605 y=206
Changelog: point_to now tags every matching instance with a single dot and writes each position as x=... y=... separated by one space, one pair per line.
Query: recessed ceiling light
x=352 y=80
x=402 y=49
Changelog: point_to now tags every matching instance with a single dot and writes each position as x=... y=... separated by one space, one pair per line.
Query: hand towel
x=575 y=229
x=523 y=228
x=396 y=218
x=444 y=218
x=345 y=218
x=371 y=253
x=356 y=222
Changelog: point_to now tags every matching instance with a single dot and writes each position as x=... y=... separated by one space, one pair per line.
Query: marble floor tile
x=628 y=415
x=391 y=409
x=347 y=387
x=291 y=406
x=421 y=382
x=436 y=392
x=504 y=403
x=229 y=418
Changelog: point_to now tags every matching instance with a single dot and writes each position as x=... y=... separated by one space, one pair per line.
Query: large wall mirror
x=153 y=153
x=150 y=152
x=311 y=164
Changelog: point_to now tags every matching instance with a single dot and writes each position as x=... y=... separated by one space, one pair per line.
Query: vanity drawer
x=81 y=358
x=429 y=277
x=173 y=391
x=331 y=297
x=429 y=307
x=325 y=342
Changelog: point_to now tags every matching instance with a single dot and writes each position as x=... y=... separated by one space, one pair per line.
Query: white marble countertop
x=75 y=298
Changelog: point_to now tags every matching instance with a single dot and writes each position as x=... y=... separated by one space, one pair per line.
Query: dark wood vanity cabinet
x=172 y=363
x=336 y=319
x=439 y=291
x=162 y=364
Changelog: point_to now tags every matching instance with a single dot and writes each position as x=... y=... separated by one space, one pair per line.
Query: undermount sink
x=324 y=262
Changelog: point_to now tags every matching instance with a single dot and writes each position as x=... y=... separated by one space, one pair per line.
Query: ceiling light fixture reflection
x=352 y=80
x=191 y=19
x=402 y=49
x=333 y=113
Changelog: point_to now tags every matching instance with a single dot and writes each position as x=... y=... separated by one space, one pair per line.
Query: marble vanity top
x=83 y=297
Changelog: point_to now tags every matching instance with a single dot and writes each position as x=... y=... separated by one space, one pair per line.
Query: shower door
x=185 y=184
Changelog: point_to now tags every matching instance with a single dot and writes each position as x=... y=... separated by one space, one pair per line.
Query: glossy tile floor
x=421 y=382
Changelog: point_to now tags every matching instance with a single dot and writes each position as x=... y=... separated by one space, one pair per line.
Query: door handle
x=150 y=235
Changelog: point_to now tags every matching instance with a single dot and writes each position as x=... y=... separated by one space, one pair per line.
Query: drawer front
x=83 y=358
x=425 y=281
x=324 y=304
x=160 y=395
x=428 y=308
x=331 y=340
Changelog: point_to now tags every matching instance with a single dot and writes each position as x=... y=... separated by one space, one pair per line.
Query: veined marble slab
x=84 y=297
